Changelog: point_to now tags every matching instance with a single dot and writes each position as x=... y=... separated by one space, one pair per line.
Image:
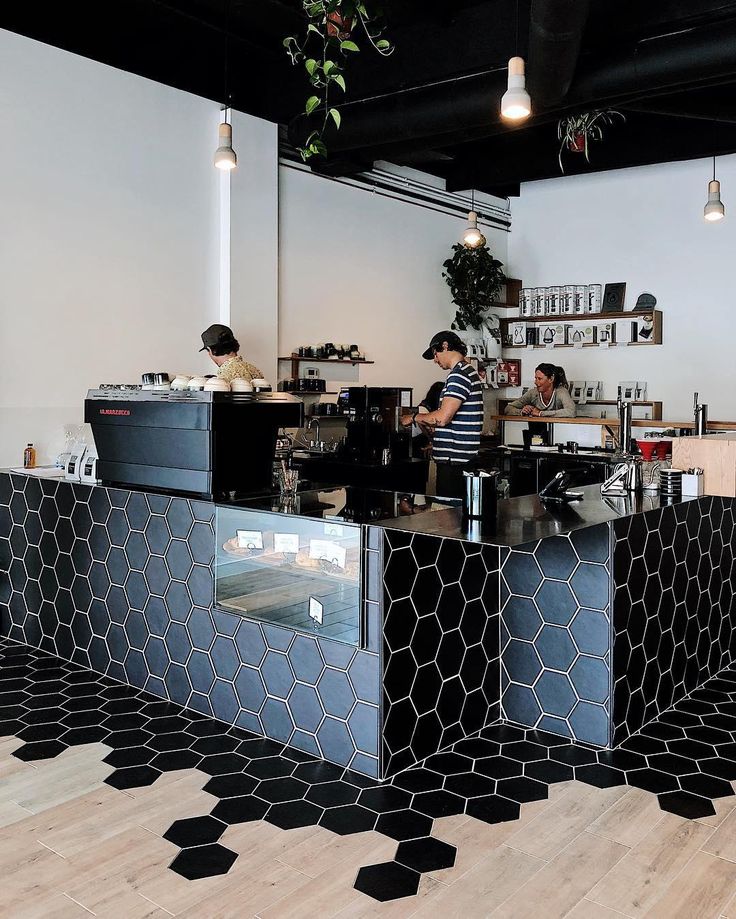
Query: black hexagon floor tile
x=203 y=861
x=387 y=881
x=687 y=758
x=426 y=854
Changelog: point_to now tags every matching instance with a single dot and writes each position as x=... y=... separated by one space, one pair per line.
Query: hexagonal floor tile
x=203 y=861
x=426 y=854
x=387 y=881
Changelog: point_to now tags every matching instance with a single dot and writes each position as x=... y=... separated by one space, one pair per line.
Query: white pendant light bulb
x=714 y=209
x=516 y=104
x=225 y=157
x=472 y=237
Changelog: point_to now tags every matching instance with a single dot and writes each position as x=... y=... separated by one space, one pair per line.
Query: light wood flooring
x=72 y=846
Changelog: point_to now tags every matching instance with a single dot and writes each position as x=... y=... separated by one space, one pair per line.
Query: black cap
x=216 y=335
x=454 y=343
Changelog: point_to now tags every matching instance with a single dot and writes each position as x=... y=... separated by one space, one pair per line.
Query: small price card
x=250 y=539
x=329 y=551
x=286 y=542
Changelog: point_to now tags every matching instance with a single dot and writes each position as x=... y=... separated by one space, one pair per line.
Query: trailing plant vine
x=577 y=132
x=332 y=34
x=475 y=278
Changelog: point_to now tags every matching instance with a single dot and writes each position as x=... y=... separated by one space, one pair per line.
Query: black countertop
x=519 y=520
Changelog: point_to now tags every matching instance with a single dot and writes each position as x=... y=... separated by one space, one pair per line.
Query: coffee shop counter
x=373 y=628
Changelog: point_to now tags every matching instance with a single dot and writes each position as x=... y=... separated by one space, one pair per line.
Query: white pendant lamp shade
x=225 y=157
x=472 y=237
x=714 y=209
x=516 y=103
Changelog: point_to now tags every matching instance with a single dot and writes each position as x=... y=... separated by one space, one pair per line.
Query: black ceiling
x=669 y=66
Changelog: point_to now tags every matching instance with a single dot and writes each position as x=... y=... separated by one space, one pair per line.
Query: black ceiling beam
x=643 y=140
x=555 y=33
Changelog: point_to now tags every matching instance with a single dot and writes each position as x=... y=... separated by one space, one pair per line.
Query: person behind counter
x=223 y=347
x=548 y=398
x=455 y=427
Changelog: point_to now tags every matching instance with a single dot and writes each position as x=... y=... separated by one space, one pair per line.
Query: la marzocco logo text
x=114 y=411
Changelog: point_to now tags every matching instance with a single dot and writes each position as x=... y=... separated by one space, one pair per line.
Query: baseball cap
x=454 y=343
x=216 y=335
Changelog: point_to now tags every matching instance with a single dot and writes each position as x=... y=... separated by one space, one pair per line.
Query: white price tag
x=329 y=551
x=530 y=347
x=604 y=344
x=549 y=344
x=250 y=539
x=334 y=529
x=316 y=610
x=405 y=403
x=286 y=542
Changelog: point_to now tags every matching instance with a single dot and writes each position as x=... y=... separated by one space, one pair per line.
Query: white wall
x=109 y=261
x=363 y=269
x=644 y=226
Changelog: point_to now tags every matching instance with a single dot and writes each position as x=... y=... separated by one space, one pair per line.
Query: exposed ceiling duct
x=555 y=34
x=467 y=109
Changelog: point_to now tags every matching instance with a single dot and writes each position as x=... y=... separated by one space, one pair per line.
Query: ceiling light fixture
x=516 y=103
x=472 y=237
x=714 y=209
x=225 y=156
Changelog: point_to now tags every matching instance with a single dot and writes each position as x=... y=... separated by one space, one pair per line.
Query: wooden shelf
x=583 y=317
x=613 y=422
x=324 y=360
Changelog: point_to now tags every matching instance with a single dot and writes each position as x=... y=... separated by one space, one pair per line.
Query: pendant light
x=225 y=156
x=516 y=104
x=714 y=209
x=472 y=237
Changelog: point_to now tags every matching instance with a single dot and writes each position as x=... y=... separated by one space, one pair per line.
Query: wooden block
x=716 y=454
x=642 y=877
x=563 y=882
x=558 y=825
x=702 y=890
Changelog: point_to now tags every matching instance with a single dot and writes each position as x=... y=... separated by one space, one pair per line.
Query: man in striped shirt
x=457 y=424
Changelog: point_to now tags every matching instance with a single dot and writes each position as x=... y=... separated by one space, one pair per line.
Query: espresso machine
x=373 y=430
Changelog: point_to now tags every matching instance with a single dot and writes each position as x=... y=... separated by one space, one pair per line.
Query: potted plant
x=577 y=132
x=331 y=36
x=474 y=277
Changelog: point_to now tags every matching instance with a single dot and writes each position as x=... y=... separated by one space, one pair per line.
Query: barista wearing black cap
x=223 y=347
x=457 y=424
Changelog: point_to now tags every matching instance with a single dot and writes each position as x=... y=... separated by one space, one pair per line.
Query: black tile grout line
x=687 y=758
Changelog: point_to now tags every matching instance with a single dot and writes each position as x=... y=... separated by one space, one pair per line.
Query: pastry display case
x=300 y=572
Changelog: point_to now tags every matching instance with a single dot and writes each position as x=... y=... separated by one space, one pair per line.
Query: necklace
x=546 y=405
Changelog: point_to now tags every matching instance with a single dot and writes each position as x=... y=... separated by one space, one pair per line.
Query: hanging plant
x=577 y=132
x=334 y=29
x=474 y=277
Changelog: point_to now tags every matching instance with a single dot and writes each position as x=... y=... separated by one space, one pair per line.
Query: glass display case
x=281 y=567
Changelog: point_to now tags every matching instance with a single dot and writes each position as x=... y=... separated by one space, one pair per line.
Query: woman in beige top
x=548 y=398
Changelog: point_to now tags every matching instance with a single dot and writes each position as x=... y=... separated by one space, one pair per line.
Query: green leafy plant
x=334 y=28
x=577 y=132
x=475 y=278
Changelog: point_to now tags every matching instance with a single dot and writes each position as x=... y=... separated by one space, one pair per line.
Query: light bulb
x=714 y=209
x=516 y=103
x=225 y=157
x=472 y=237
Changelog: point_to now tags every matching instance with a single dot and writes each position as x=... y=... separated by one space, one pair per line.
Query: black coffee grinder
x=373 y=429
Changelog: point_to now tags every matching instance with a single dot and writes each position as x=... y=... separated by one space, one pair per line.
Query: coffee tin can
x=568 y=304
x=525 y=301
x=595 y=296
x=540 y=300
x=553 y=301
x=581 y=298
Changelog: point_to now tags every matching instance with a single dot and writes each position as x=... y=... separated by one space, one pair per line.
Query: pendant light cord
x=714 y=167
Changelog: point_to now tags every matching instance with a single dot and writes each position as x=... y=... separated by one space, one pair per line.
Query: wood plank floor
x=72 y=846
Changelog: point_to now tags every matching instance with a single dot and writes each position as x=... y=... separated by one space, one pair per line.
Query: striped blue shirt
x=459 y=441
